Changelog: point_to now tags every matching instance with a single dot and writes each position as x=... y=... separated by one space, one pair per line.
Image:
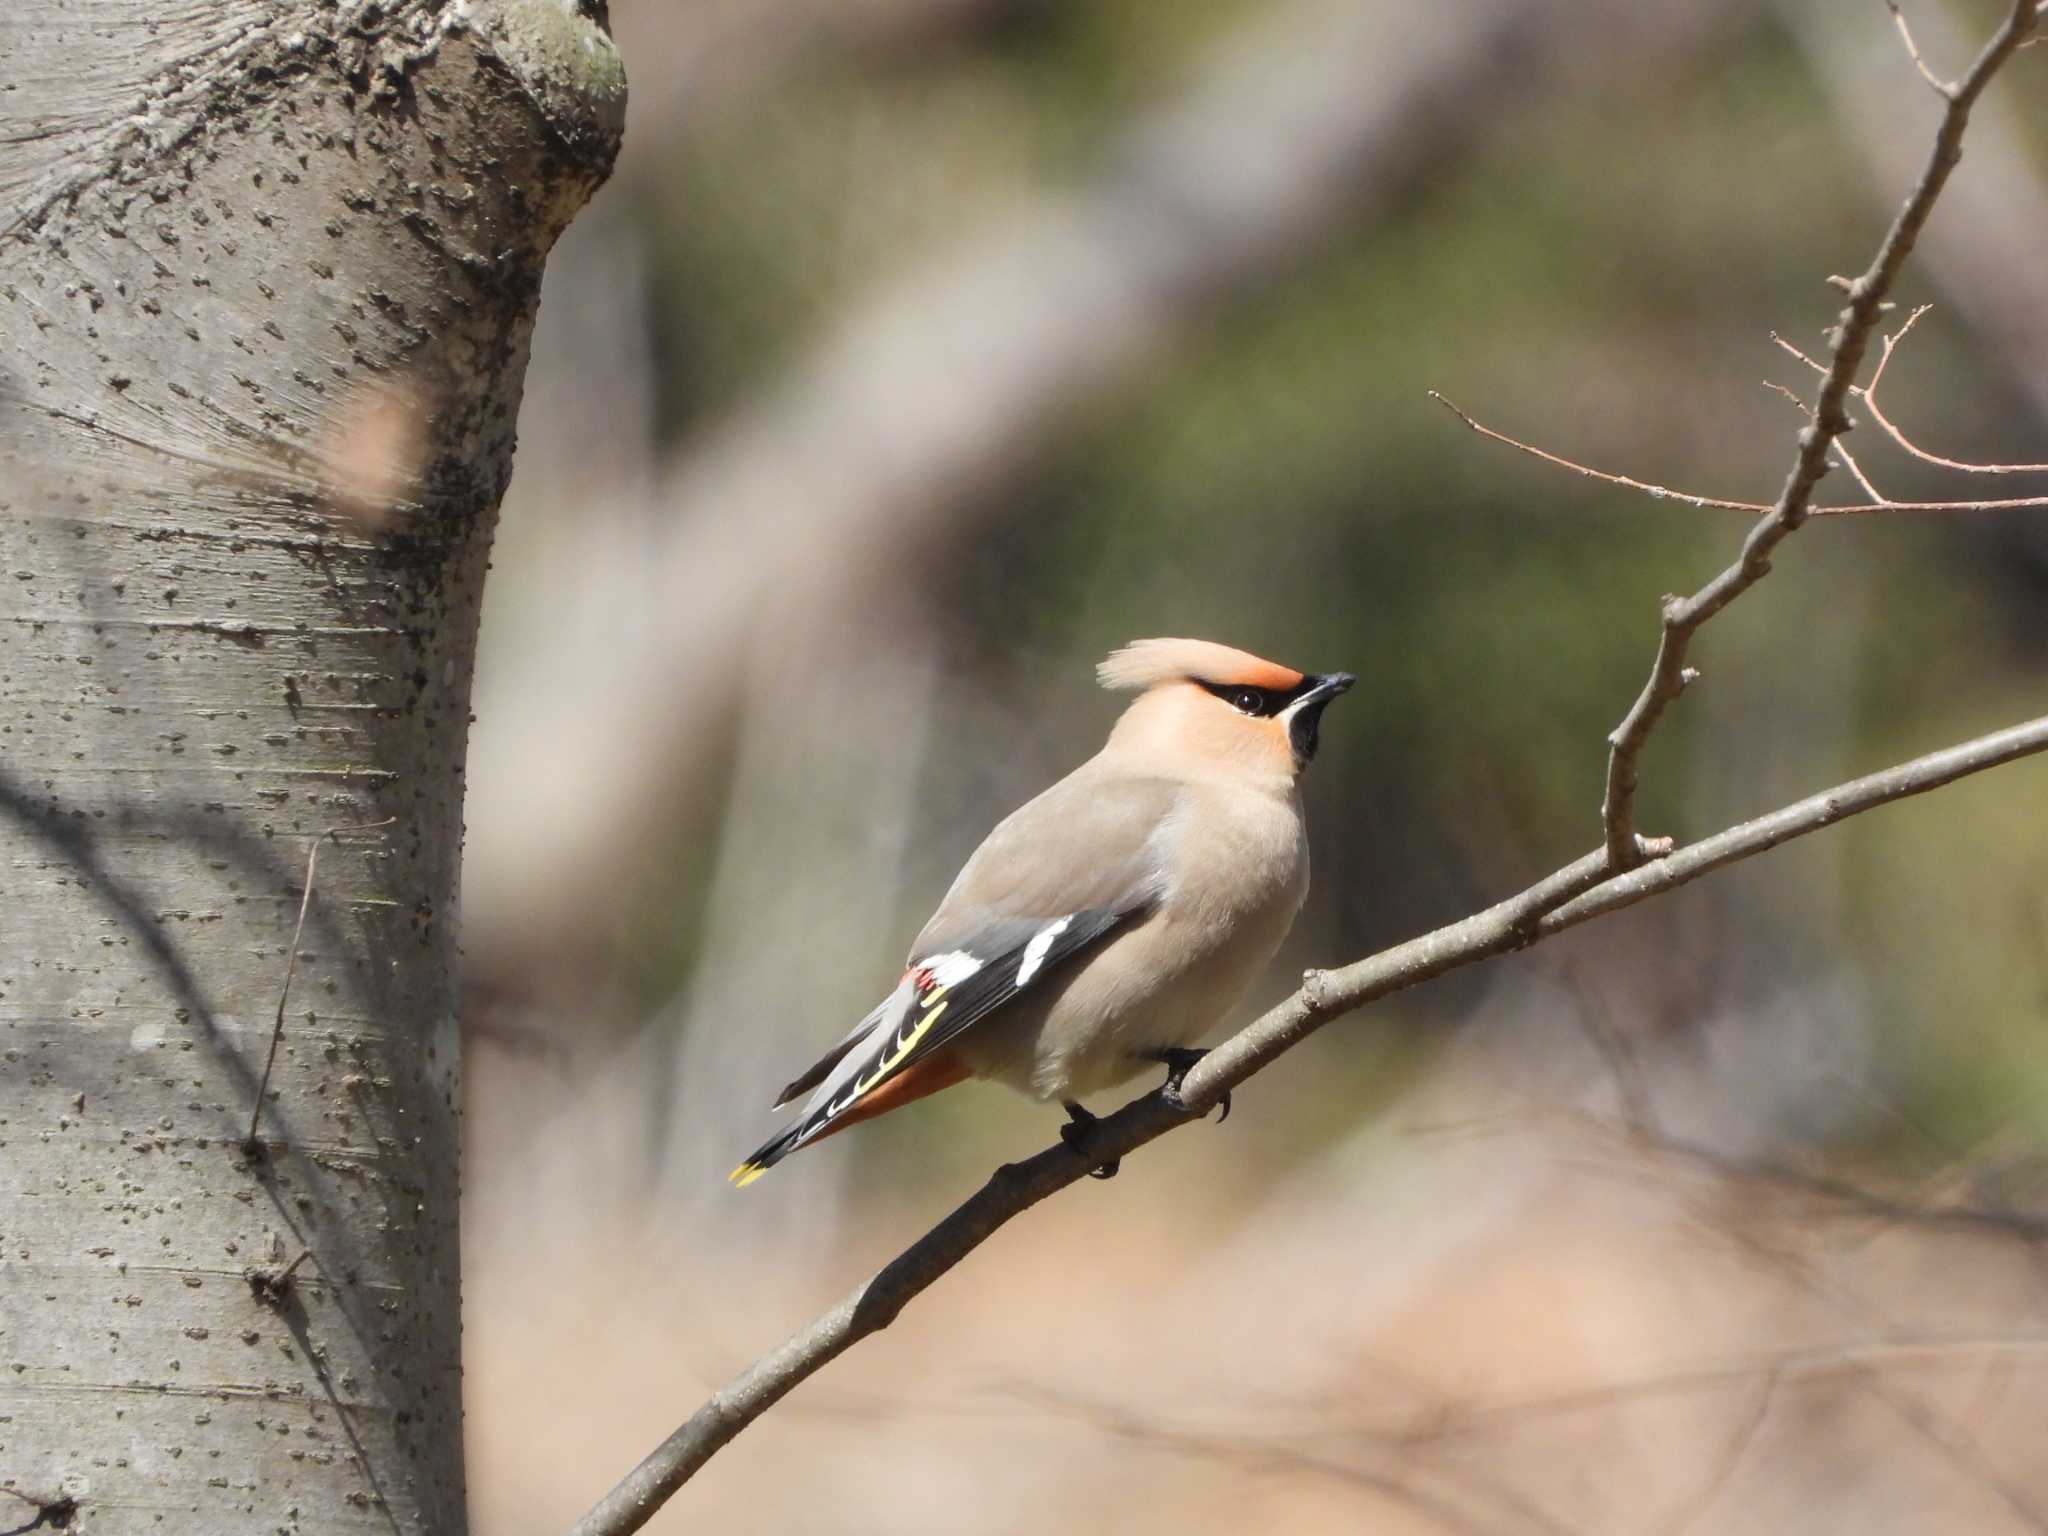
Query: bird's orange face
x=1283 y=719
x=1223 y=705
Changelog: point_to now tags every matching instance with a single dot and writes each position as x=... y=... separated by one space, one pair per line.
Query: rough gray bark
x=267 y=274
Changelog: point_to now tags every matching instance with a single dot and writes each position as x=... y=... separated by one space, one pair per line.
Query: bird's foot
x=1177 y=1062
x=1075 y=1132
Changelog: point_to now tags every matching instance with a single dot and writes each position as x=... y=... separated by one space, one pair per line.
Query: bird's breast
x=1235 y=872
x=1235 y=858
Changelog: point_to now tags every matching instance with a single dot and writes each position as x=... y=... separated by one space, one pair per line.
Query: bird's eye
x=1251 y=700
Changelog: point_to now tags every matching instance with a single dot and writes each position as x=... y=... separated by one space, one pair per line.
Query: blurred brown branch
x=1627 y=869
x=1451 y=1418
x=1942 y=1208
x=1377 y=1461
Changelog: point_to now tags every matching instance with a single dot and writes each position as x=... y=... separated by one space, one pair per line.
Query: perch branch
x=1575 y=894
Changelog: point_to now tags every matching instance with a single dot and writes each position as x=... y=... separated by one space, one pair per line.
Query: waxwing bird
x=1112 y=921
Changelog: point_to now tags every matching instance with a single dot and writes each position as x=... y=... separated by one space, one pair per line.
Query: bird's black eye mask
x=1312 y=692
x=1260 y=703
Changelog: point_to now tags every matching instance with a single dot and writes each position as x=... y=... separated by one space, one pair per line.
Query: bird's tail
x=832 y=1109
x=766 y=1156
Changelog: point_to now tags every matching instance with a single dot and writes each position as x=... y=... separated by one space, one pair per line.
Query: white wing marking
x=951 y=968
x=1035 y=951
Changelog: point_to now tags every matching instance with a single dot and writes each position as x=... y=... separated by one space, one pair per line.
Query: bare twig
x=1629 y=482
x=250 y=1145
x=1848 y=461
x=1820 y=368
x=1842 y=454
x=1576 y=894
x=1983 y=252
x=1869 y=394
x=55 y=1513
x=272 y=1283
x=1682 y=618
x=1945 y=88
x=1756 y=508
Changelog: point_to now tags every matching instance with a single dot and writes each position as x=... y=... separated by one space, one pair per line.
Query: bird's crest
x=1147 y=663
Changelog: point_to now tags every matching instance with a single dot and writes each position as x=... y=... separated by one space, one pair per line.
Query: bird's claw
x=1075 y=1131
x=1178 y=1062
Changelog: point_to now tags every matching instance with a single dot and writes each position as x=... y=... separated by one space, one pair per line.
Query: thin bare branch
x=1757 y=508
x=1842 y=454
x=1682 y=618
x=1848 y=461
x=1944 y=88
x=271 y=1284
x=1577 y=893
x=1628 y=482
x=1983 y=251
x=55 y=1513
x=1869 y=394
x=291 y=964
x=1820 y=368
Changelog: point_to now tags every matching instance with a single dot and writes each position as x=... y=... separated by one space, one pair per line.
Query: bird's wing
x=1056 y=876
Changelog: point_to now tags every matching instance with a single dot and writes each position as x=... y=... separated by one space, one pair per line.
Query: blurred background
x=922 y=351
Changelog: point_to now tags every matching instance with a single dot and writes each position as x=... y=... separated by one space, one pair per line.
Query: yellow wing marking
x=746 y=1173
x=888 y=1063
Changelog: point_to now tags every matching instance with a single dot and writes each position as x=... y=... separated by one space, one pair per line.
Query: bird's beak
x=1304 y=716
x=1324 y=688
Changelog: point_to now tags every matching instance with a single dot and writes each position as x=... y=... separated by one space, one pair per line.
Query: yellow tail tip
x=745 y=1174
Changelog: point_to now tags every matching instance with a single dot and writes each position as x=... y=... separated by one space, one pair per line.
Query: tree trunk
x=267 y=275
